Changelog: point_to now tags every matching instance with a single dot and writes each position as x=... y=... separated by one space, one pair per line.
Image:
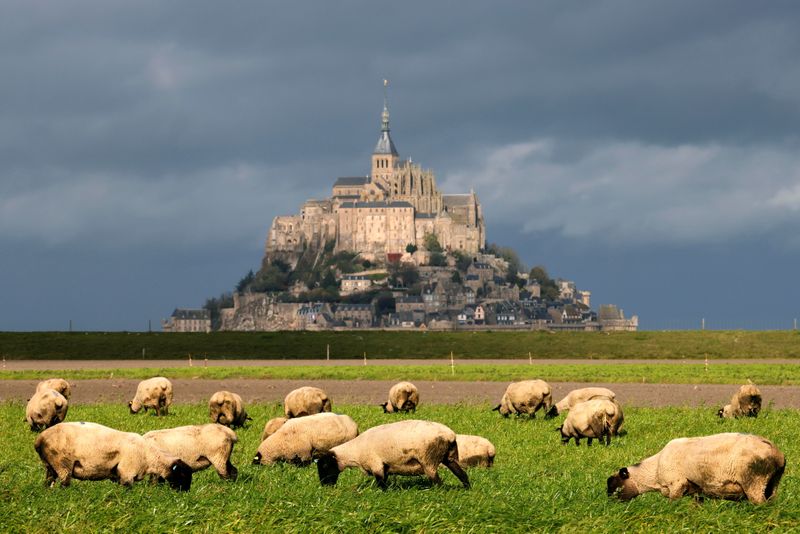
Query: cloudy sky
x=648 y=151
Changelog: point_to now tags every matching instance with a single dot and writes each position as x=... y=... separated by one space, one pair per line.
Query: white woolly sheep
x=727 y=466
x=199 y=446
x=410 y=447
x=474 y=451
x=272 y=426
x=299 y=440
x=58 y=384
x=88 y=451
x=596 y=418
x=576 y=396
x=525 y=397
x=155 y=393
x=46 y=408
x=745 y=403
x=306 y=400
x=227 y=409
x=403 y=397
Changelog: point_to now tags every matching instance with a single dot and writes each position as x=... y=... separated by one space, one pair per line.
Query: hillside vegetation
x=393 y=344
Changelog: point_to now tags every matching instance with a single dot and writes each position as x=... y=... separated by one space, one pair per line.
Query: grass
x=658 y=373
x=404 y=344
x=536 y=484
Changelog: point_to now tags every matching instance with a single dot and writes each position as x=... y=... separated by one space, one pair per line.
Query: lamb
x=728 y=466
x=577 y=396
x=474 y=451
x=272 y=426
x=155 y=393
x=525 y=397
x=299 y=440
x=410 y=447
x=403 y=397
x=199 y=446
x=306 y=400
x=594 y=418
x=745 y=403
x=58 y=384
x=227 y=409
x=88 y=451
x=46 y=408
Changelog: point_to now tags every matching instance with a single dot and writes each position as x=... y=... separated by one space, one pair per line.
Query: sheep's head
x=387 y=408
x=132 y=409
x=621 y=485
x=180 y=476
x=328 y=469
x=552 y=412
x=257 y=458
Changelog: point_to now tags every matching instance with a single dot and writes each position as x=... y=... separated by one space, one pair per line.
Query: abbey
x=379 y=215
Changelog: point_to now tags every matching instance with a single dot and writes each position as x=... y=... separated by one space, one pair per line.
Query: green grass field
x=678 y=373
x=536 y=484
x=378 y=344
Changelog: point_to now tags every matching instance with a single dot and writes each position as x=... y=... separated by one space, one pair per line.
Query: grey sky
x=647 y=150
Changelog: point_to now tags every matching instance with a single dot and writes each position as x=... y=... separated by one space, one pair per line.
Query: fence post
x=452 y=364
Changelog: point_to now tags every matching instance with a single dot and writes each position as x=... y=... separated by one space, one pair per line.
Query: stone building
x=188 y=320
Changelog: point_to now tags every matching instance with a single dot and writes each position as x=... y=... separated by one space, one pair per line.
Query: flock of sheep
x=728 y=465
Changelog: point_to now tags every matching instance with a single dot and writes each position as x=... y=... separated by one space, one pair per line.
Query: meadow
x=536 y=484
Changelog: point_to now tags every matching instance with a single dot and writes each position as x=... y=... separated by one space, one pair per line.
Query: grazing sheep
x=525 y=397
x=410 y=447
x=299 y=440
x=594 y=418
x=306 y=400
x=474 y=451
x=58 y=384
x=46 y=408
x=727 y=466
x=403 y=397
x=745 y=403
x=155 y=393
x=199 y=446
x=272 y=426
x=227 y=409
x=576 y=396
x=88 y=451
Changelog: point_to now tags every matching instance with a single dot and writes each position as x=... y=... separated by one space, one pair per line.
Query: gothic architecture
x=379 y=215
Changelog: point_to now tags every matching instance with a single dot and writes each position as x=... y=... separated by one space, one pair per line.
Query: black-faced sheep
x=592 y=419
x=410 y=447
x=226 y=408
x=474 y=451
x=88 y=451
x=155 y=393
x=576 y=396
x=199 y=446
x=403 y=397
x=306 y=400
x=272 y=426
x=525 y=397
x=727 y=466
x=46 y=408
x=745 y=403
x=299 y=440
x=58 y=384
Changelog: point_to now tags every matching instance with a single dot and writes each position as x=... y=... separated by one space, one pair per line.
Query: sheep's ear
x=624 y=474
x=496 y=408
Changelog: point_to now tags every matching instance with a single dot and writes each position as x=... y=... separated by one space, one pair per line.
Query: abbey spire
x=384 y=157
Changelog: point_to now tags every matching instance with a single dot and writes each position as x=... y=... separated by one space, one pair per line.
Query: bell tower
x=384 y=157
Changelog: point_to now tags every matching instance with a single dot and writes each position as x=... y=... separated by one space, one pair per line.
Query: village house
x=188 y=320
x=353 y=283
x=355 y=315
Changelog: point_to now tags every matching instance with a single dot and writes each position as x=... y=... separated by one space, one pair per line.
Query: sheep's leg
x=380 y=477
x=50 y=476
x=456 y=469
x=589 y=442
x=577 y=441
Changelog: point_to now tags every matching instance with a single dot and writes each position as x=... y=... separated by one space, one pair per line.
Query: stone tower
x=384 y=157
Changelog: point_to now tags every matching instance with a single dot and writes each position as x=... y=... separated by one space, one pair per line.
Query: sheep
x=577 y=396
x=474 y=451
x=227 y=409
x=46 y=408
x=745 y=402
x=199 y=446
x=594 y=418
x=525 y=397
x=272 y=426
x=155 y=393
x=306 y=400
x=403 y=397
x=88 y=451
x=410 y=447
x=299 y=440
x=727 y=466
x=58 y=384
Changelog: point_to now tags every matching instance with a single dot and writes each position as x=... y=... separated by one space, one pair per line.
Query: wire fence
x=709 y=323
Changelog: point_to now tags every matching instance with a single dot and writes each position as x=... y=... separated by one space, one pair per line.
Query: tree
x=245 y=281
x=463 y=260
x=274 y=277
x=431 y=243
x=329 y=281
x=548 y=285
x=456 y=277
x=438 y=259
x=411 y=248
x=214 y=305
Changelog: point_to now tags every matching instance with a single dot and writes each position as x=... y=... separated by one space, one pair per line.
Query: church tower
x=384 y=157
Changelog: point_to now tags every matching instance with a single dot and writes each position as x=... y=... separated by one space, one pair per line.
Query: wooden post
x=328 y=351
x=205 y=360
x=706 y=362
x=530 y=359
x=452 y=364
x=190 y=360
x=143 y=353
x=365 y=358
